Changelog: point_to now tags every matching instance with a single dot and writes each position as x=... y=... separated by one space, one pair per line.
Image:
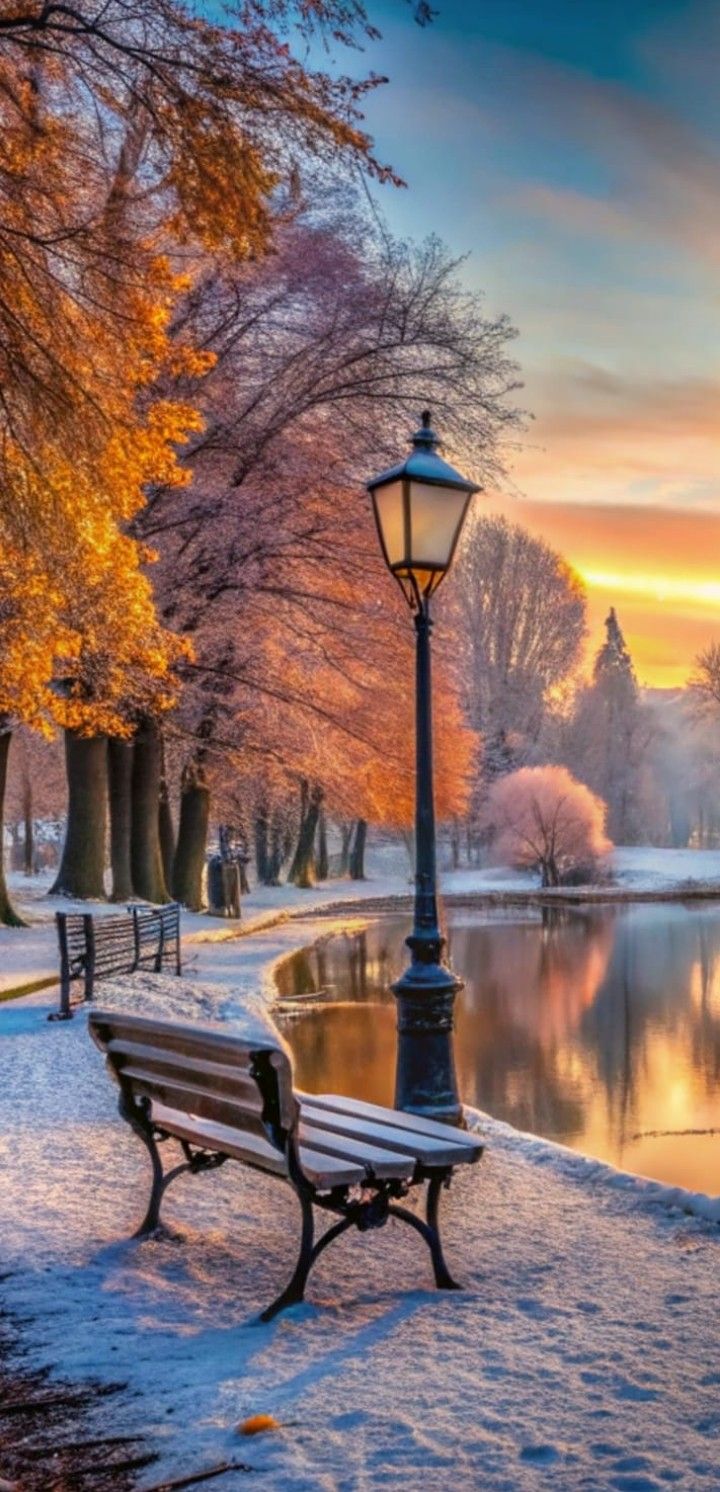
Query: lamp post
x=420 y=507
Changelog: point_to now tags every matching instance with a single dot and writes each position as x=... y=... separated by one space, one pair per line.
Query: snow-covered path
x=583 y=1353
x=30 y=954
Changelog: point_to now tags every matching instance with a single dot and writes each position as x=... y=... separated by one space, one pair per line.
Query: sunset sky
x=572 y=149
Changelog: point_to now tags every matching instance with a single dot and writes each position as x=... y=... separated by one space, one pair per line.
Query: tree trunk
x=166 y=831
x=275 y=859
x=346 y=831
x=301 y=870
x=321 y=859
x=357 y=855
x=189 y=860
x=287 y=843
x=166 y=828
x=29 y=827
x=262 y=857
x=455 y=843
x=82 y=867
x=145 y=855
x=120 y=765
x=17 y=855
x=8 y=915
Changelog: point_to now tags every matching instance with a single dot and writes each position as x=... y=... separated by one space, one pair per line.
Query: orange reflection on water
x=599 y=1026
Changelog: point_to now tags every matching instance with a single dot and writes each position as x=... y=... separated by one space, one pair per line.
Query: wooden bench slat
x=324 y=1171
x=189 y=1100
x=341 y=1104
x=253 y=1148
x=429 y=1150
x=263 y=1064
x=217 y=1077
x=381 y=1163
x=197 y=1040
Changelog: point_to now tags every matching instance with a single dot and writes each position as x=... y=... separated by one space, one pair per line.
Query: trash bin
x=223 y=886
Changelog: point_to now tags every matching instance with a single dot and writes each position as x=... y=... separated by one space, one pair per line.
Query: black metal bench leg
x=294 y=1292
x=431 y=1233
x=151 y=1220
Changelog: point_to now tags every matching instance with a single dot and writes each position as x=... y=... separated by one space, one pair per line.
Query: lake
x=596 y=1026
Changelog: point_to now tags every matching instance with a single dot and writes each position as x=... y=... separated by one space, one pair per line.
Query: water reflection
x=596 y=1026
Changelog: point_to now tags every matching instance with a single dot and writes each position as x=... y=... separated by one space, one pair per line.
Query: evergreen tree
x=607 y=736
x=613 y=668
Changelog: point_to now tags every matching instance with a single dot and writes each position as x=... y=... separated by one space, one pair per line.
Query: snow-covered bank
x=582 y=1353
x=30 y=954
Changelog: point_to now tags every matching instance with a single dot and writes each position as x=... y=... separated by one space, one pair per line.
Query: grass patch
x=27 y=989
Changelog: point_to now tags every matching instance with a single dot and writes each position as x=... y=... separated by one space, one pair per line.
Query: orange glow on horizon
x=659 y=568
x=658 y=587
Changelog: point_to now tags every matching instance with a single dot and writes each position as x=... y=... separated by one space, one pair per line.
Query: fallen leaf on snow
x=255 y=1425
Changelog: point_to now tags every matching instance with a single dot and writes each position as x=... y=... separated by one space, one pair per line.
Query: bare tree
x=520 y=611
x=705 y=680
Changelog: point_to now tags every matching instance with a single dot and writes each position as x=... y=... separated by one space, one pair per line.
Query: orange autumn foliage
x=81 y=435
x=125 y=138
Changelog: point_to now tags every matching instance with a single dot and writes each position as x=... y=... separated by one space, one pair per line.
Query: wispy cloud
x=601 y=435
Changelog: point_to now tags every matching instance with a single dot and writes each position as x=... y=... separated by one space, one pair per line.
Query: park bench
x=224 y=1098
x=93 y=948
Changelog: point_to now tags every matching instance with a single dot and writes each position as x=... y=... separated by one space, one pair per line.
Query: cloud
x=642 y=172
x=602 y=435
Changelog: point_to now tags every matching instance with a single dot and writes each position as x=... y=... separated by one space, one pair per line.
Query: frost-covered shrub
x=542 y=818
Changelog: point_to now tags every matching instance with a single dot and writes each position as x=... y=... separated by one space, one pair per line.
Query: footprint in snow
x=624 y=1389
x=531 y=1306
x=635 y=1484
x=539 y=1455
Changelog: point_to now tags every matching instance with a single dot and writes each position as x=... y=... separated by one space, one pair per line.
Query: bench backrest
x=98 y=947
x=199 y=1070
x=156 y=931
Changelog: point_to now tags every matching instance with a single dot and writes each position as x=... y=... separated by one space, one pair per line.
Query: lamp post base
x=425 y=1078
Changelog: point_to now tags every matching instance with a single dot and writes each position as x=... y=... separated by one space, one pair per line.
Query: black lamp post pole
x=426 y=1082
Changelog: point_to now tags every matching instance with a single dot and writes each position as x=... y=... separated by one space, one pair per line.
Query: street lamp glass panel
x=436 y=514
x=420 y=505
x=390 y=517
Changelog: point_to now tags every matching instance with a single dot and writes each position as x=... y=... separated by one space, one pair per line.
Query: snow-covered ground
x=30 y=954
x=583 y=1353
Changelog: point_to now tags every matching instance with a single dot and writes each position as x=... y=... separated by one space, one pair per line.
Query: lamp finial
x=425 y=438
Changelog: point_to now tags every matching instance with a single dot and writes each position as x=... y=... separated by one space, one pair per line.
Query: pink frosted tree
x=543 y=818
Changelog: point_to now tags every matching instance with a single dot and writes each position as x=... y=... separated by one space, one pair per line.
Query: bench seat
x=331 y=1142
x=428 y=1143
